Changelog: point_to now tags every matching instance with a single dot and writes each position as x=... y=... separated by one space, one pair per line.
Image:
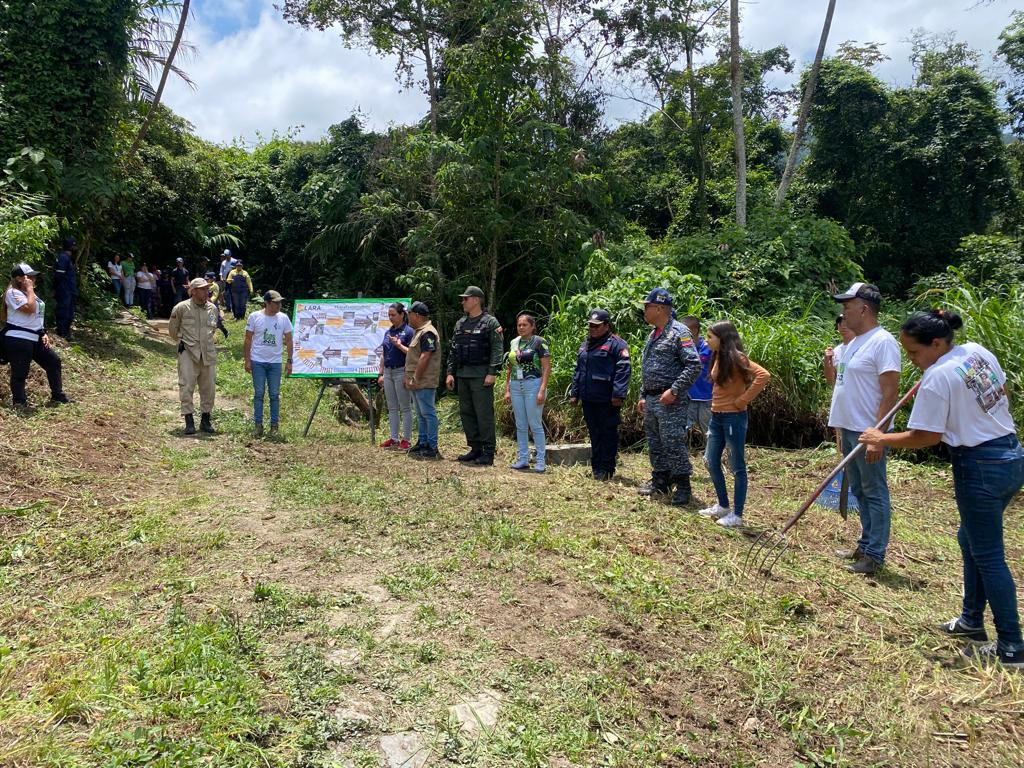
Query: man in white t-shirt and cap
x=866 y=388
x=268 y=334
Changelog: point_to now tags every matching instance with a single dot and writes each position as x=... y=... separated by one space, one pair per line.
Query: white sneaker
x=715 y=512
x=731 y=520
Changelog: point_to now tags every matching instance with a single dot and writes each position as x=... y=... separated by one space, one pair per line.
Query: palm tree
x=210 y=239
x=150 y=49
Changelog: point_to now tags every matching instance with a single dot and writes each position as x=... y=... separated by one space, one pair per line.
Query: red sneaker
x=389 y=443
x=404 y=445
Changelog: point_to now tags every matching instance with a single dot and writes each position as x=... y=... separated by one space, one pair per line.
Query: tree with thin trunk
x=168 y=67
x=805 y=108
x=737 y=113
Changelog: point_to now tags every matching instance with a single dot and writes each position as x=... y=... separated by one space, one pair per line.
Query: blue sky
x=255 y=74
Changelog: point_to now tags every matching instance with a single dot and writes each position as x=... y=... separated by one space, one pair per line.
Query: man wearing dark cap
x=65 y=285
x=422 y=375
x=670 y=366
x=475 y=359
x=601 y=383
x=180 y=281
x=268 y=335
x=866 y=388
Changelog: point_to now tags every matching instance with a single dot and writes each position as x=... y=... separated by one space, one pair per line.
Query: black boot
x=682 y=494
x=473 y=455
x=485 y=459
x=190 y=425
x=205 y=425
x=659 y=484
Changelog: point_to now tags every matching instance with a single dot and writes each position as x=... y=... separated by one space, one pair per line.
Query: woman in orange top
x=736 y=381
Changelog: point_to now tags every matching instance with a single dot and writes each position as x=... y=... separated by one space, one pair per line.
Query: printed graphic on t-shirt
x=269 y=337
x=980 y=379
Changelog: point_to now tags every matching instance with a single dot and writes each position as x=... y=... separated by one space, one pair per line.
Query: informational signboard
x=339 y=338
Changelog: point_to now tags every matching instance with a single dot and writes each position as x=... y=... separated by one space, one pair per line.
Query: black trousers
x=65 y=312
x=603 y=425
x=20 y=353
x=476 y=408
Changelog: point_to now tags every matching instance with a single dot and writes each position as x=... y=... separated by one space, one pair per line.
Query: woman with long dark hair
x=962 y=402
x=736 y=381
x=392 y=377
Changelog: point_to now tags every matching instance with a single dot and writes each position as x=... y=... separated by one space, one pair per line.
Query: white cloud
x=273 y=76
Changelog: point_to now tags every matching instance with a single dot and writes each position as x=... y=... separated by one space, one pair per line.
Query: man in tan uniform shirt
x=192 y=325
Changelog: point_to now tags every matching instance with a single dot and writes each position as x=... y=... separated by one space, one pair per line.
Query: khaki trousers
x=190 y=373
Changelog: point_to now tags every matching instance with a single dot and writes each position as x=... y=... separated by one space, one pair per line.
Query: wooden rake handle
x=882 y=425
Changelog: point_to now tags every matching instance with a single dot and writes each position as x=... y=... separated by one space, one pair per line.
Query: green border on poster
x=295 y=304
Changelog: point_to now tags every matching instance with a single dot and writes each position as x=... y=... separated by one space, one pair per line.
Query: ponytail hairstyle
x=729 y=357
x=399 y=307
x=925 y=327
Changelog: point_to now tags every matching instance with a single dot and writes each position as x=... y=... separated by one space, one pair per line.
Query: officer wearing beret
x=474 y=361
x=601 y=383
x=670 y=365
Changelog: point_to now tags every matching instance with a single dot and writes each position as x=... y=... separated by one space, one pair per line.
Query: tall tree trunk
x=163 y=82
x=805 y=108
x=737 y=113
x=428 y=63
x=697 y=136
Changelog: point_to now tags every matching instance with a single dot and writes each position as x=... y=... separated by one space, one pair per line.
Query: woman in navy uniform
x=601 y=383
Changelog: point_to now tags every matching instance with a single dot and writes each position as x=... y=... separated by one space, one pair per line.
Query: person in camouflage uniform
x=670 y=364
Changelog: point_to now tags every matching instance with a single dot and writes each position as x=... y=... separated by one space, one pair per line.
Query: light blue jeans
x=266 y=376
x=529 y=418
x=728 y=429
x=426 y=417
x=869 y=484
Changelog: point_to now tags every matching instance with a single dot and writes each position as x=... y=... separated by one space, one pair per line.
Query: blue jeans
x=985 y=479
x=426 y=417
x=868 y=483
x=728 y=429
x=266 y=376
x=529 y=417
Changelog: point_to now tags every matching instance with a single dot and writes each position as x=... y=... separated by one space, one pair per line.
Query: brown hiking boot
x=865 y=565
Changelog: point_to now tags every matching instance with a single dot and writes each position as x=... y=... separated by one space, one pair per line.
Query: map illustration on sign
x=340 y=337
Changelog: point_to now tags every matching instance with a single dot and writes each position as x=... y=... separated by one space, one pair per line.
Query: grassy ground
x=172 y=601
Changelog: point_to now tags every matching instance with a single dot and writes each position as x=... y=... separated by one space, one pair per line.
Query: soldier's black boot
x=205 y=425
x=473 y=455
x=659 y=484
x=190 y=425
x=485 y=459
x=682 y=495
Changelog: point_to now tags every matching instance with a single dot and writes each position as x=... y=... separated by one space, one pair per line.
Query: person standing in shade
x=165 y=291
x=128 y=279
x=145 y=282
x=699 y=414
x=116 y=275
x=526 y=388
x=422 y=376
x=240 y=288
x=601 y=383
x=25 y=339
x=211 y=278
x=474 y=362
x=226 y=265
x=669 y=367
x=392 y=377
x=866 y=388
x=192 y=325
x=268 y=334
x=179 y=281
x=963 y=403
x=65 y=284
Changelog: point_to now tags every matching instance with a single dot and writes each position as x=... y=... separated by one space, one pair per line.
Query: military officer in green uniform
x=474 y=363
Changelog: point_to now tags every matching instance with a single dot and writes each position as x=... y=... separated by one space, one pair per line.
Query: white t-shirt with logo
x=32 y=323
x=962 y=395
x=837 y=354
x=267 y=335
x=857 y=392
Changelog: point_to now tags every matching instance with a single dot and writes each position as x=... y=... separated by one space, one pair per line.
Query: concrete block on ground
x=568 y=454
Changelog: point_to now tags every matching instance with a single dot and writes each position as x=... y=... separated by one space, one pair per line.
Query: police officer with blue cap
x=601 y=383
x=670 y=364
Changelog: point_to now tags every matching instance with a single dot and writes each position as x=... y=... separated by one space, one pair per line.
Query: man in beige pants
x=192 y=325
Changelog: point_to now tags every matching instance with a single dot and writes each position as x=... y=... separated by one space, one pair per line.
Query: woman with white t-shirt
x=962 y=402
x=116 y=272
x=25 y=338
x=834 y=355
x=268 y=333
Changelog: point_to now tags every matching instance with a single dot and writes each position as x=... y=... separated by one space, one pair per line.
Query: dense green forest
x=513 y=180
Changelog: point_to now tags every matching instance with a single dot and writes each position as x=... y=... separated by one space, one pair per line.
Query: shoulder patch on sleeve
x=624 y=353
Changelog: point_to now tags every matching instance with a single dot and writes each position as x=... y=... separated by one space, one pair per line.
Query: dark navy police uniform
x=602 y=373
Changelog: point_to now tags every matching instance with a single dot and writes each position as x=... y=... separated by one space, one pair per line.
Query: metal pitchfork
x=770 y=546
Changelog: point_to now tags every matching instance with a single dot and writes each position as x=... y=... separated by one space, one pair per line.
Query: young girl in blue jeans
x=736 y=381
